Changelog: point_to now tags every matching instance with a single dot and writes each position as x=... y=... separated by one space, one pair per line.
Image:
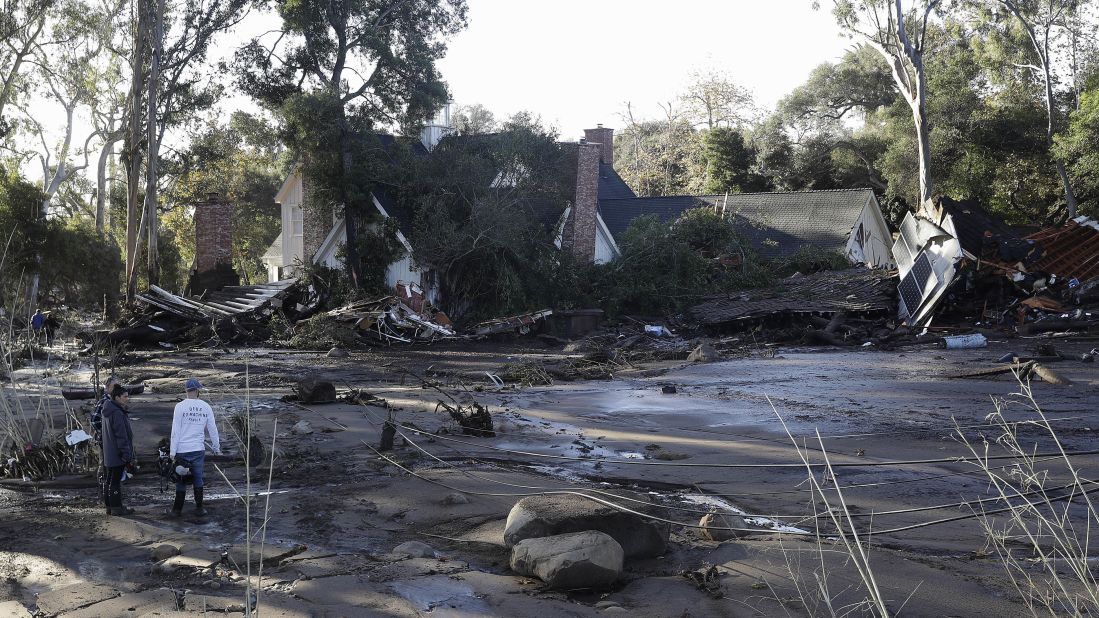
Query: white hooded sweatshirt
x=191 y=419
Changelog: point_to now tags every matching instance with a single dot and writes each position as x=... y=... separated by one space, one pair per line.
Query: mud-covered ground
x=335 y=508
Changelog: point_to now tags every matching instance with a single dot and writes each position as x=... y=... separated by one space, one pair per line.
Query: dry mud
x=336 y=509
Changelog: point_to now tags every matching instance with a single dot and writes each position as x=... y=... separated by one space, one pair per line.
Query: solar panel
x=914 y=284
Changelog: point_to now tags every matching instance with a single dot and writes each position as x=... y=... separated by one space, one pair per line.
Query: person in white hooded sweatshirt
x=192 y=420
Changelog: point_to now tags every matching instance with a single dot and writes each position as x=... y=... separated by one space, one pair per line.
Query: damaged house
x=316 y=235
x=595 y=219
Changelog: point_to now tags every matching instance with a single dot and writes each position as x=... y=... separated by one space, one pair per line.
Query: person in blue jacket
x=118 y=447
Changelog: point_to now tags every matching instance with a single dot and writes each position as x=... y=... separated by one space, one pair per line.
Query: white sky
x=577 y=62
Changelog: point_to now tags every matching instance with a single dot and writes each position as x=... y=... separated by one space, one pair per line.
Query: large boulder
x=713 y=526
x=578 y=560
x=542 y=516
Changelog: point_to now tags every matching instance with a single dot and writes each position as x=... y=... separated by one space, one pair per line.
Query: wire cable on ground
x=673 y=464
x=800 y=517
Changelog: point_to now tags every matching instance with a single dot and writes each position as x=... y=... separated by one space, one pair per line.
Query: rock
x=543 y=516
x=668 y=390
x=710 y=521
x=164 y=551
x=578 y=560
x=415 y=549
x=704 y=353
x=337 y=353
x=301 y=428
x=605 y=604
x=456 y=498
x=314 y=390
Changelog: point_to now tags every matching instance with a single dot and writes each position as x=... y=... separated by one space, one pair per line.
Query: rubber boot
x=177 y=505
x=198 y=502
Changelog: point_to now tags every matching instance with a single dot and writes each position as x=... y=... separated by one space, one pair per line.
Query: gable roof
x=611 y=185
x=776 y=224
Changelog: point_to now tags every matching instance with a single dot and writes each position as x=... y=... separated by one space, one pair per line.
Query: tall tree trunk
x=354 y=268
x=156 y=45
x=133 y=176
x=1066 y=182
x=923 y=132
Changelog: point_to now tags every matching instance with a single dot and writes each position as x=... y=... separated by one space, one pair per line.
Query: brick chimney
x=579 y=232
x=605 y=138
x=213 y=233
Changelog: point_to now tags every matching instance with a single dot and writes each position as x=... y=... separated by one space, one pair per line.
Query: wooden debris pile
x=389 y=320
x=233 y=314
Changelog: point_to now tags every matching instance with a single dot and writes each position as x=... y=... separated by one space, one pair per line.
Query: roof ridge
x=721 y=195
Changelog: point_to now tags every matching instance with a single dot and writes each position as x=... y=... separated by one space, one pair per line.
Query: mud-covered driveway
x=336 y=508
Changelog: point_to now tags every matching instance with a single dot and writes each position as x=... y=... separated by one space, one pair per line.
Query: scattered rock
x=301 y=428
x=456 y=498
x=314 y=390
x=713 y=522
x=543 y=516
x=164 y=551
x=668 y=390
x=337 y=352
x=606 y=604
x=415 y=549
x=704 y=353
x=587 y=559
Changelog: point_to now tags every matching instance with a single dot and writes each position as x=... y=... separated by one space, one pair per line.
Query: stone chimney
x=579 y=233
x=605 y=138
x=213 y=233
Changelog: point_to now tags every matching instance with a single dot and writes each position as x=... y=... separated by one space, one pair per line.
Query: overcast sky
x=577 y=63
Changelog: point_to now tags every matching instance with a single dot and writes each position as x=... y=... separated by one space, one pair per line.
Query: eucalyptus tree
x=899 y=35
x=171 y=44
x=22 y=26
x=338 y=70
x=1047 y=25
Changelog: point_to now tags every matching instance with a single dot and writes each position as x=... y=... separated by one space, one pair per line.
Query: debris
x=587 y=559
x=314 y=390
x=707 y=579
x=704 y=353
x=301 y=428
x=668 y=390
x=337 y=352
x=1049 y=375
x=1022 y=369
x=474 y=419
x=389 y=432
x=520 y=324
x=712 y=525
x=658 y=331
x=958 y=342
x=77 y=436
x=1087 y=358
x=389 y=320
x=928 y=253
x=859 y=290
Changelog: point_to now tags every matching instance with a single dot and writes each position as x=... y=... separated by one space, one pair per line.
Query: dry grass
x=1042 y=532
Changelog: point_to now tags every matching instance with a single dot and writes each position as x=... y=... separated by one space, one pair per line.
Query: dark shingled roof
x=777 y=224
x=611 y=185
x=971 y=221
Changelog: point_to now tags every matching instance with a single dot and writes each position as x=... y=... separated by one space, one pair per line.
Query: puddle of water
x=441 y=596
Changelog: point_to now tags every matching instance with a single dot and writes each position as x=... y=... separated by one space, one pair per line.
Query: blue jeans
x=197 y=461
